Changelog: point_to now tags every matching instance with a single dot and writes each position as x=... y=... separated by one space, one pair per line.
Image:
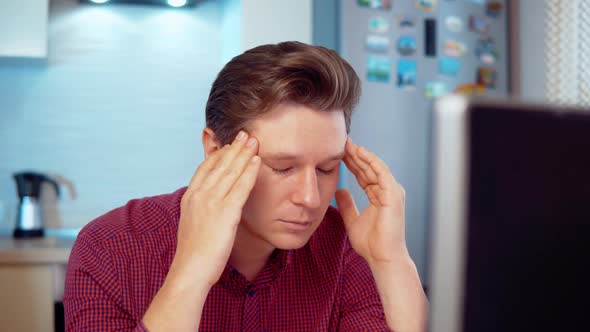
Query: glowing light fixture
x=176 y=3
x=168 y=3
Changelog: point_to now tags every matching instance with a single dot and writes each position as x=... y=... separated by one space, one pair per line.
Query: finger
x=347 y=207
x=356 y=171
x=350 y=163
x=244 y=184
x=353 y=164
x=382 y=186
x=224 y=165
x=235 y=170
x=367 y=172
x=386 y=189
x=205 y=168
x=383 y=175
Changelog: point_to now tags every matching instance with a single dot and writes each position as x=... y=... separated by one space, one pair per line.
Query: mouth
x=296 y=225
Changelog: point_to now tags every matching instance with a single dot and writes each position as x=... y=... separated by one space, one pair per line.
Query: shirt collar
x=232 y=279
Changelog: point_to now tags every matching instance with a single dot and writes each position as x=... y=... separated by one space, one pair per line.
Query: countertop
x=46 y=250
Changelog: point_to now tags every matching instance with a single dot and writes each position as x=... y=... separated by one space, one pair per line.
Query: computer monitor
x=510 y=236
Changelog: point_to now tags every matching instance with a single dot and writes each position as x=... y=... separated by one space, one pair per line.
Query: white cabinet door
x=23 y=28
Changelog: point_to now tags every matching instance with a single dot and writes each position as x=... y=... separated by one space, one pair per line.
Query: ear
x=210 y=142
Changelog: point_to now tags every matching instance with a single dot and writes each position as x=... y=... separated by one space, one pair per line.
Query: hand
x=378 y=233
x=211 y=209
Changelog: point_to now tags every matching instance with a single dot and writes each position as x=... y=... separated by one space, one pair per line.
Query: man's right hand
x=210 y=212
x=211 y=208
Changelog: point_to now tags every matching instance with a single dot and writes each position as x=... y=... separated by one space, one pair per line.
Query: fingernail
x=241 y=135
x=251 y=141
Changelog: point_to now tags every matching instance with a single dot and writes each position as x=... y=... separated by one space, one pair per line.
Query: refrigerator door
x=407 y=53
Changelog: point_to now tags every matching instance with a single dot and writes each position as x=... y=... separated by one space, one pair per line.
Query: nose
x=306 y=191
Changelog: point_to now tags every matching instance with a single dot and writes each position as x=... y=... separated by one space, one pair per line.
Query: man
x=251 y=244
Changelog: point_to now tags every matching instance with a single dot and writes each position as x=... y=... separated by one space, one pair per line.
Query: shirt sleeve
x=361 y=308
x=92 y=295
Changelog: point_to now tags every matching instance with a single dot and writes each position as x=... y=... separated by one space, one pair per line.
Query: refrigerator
x=407 y=53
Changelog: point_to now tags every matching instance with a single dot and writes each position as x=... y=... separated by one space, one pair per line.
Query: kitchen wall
x=118 y=105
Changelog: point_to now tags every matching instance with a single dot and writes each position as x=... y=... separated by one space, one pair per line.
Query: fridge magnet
x=426 y=5
x=407 y=22
x=429 y=37
x=486 y=51
x=493 y=8
x=378 y=24
x=377 y=43
x=478 y=24
x=449 y=66
x=378 y=68
x=454 y=48
x=435 y=89
x=375 y=4
x=454 y=23
x=406 y=73
x=486 y=77
x=406 y=45
x=470 y=89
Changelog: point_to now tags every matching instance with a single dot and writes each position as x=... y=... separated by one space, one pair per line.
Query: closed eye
x=326 y=171
x=289 y=169
x=282 y=170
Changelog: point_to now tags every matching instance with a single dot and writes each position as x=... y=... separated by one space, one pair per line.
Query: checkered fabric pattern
x=120 y=260
x=567 y=44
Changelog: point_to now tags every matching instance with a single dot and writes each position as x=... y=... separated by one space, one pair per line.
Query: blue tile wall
x=117 y=107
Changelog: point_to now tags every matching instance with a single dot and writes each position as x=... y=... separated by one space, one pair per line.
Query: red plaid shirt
x=120 y=260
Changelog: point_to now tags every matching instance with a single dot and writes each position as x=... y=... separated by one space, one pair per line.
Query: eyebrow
x=287 y=156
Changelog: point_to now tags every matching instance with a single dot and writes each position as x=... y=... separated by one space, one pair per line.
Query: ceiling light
x=176 y=3
x=99 y=1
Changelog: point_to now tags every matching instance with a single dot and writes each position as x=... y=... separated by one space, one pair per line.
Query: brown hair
x=261 y=78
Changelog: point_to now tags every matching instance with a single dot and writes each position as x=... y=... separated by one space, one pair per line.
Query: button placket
x=251 y=314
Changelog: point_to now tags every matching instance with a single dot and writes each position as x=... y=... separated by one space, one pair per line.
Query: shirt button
x=251 y=293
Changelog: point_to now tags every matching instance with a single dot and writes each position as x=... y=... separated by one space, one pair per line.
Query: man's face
x=301 y=150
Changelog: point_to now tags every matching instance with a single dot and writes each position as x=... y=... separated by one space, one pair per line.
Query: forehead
x=299 y=130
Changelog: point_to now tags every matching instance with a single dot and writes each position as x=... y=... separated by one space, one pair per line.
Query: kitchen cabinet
x=23 y=28
x=32 y=275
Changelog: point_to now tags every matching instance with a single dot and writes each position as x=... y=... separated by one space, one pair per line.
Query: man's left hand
x=378 y=232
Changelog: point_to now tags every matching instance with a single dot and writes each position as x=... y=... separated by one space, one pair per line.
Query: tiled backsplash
x=118 y=108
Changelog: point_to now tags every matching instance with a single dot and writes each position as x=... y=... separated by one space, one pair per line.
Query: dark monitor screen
x=528 y=231
x=520 y=246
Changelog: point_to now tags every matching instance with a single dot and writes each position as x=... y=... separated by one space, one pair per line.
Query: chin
x=290 y=241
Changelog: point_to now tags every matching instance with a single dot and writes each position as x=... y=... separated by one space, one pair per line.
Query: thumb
x=346 y=206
